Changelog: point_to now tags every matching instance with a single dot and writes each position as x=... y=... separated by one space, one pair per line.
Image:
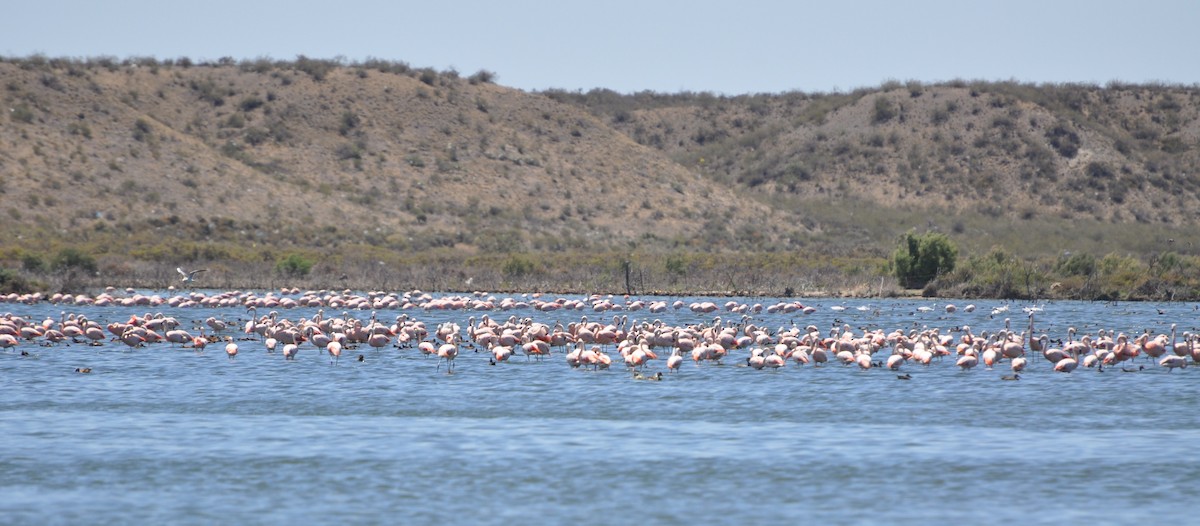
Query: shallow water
x=166 y=435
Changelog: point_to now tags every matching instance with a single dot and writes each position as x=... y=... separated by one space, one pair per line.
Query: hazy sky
x=727 y=47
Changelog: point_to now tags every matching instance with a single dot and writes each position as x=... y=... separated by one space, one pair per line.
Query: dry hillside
x=977 y=158
x=154 y=160
x=295 y=155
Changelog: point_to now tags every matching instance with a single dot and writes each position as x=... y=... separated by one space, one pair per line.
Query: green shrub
x=920 y=258
x=294 y=265
x=1076 y=265
x=33 y=263
x=517 y=265
x=10 y=283
x=676 y=265
x=71 y=258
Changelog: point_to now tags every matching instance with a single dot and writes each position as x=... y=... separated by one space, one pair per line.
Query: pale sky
x=726 y=47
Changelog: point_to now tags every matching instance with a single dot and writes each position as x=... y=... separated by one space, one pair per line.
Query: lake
x=163 y=434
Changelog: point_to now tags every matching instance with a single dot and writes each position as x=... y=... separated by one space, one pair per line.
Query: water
x=164 y=435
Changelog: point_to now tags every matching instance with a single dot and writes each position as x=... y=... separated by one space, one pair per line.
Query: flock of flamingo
x=584 y=344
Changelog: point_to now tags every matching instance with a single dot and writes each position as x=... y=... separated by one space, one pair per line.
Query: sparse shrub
x=482 y=76
x=939 y=116
x=21 y=113
x=1063 y=140
x=79 y=128
x=348 y=151
x=1099 y=170
x=250 y=103
x=234 y=121
x=317 y=69
x=428 y=76
x=884 y=111
x=1174 y=145
x=256 y=136
x=349 y=121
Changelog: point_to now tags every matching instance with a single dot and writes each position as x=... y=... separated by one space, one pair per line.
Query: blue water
x=166 y=435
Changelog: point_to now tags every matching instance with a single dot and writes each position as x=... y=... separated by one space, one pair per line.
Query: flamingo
x=198 y=343
x=1065 y=365
x=132 y=338
x=1018 y=364
x=774 y=361
x=231 y=350
x=447 y=351
x=675 y=360
x=1171 y=361
x=335 y=350
x=967 y=362
x=427 y=348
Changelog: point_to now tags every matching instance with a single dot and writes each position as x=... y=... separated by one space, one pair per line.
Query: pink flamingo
x=1065 y=365
x=379 y=340
x=447 y=351
x=131 y=338
x=1171 y=361
x=675 y=360
x=573 y=357
x=1018 y=364
x=967 y=362
x=231 y=350
x=756 y=358
x=198 y=343
x=335 y=350
x=427 y=348
x=774 y=361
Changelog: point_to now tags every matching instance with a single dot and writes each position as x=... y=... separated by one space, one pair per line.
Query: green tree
x=294 y=265
x=920 y=258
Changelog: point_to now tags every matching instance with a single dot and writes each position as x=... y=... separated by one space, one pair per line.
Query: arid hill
x=143 y=160
x=972 y=158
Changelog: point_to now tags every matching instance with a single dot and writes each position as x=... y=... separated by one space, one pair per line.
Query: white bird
x=189 y=277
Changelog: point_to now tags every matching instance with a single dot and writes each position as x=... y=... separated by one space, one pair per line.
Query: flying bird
x=189 y=277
